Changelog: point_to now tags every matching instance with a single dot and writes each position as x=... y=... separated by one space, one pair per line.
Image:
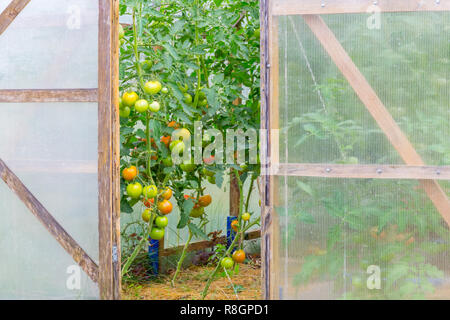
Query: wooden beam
x=48 y=95
x=47 y=220
x=294 y=7
x=363 y=171
x=206 y=244
x=376 y=108
x=108 y=161
x=53 y=166
x=10 y=13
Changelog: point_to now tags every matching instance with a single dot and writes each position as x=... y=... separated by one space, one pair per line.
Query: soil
x=192 y=280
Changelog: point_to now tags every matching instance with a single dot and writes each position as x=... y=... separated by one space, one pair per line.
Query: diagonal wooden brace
x=11 y=12
x=376 y=108
x=55 y=229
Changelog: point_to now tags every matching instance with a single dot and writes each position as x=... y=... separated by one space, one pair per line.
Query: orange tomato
x=167 y=193
x=154 y=157
x=148 y=202
x=129 y=173
x=165 y=206
x=205 y=200
x=238 y=256
x=235 y=225
x=173 y=124
x=166 y=140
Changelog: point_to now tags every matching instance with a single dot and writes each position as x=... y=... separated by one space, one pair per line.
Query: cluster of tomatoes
x=238 y=256
x=149 y=193
x=200 y=204
x=131 y=99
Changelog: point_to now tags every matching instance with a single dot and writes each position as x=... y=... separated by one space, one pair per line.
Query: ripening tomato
x=235 y=225
x=246 y=216
x=165 y=207
x=152 y=87
x=129 y=173
x=181 y=134
x=167 y=193
x=129 y=98
x=148 y=202
x=150 y=191
x=166 y=140
x=134 y=190
x=146 y=215
x=227 y=263
x=157 y=233
x=173 y=124
x=238 y=256
x=205 y=200
x=141 y=105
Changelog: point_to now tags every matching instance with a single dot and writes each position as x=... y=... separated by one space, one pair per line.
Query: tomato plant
x=191 y=62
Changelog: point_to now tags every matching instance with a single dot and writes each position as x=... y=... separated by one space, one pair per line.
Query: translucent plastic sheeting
x=51 y=44
x=362 y=238
x=406 y=62
x=52 y=148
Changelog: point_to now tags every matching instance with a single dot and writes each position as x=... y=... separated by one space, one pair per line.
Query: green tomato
x=202 y=103
x=187 y=98
x=187 y=167
x=134 y=190
x=212 y=179
x=183 y=89
x=165 y=90
x=227 y=263
x=167 y=162
x=208 y=173
x=201 y=95
x=141 y=105
x=197 y=212
x=154 y=106
x=157 y=233
x=124 y=112
x=161 y=222
x=121 y=31
x=150 y=191
x=152 y=87
x=147 y=65
x=146 y=215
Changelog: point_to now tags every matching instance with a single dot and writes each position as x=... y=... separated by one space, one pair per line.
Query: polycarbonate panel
x=52 y=148
x=406 y=62
x=362 y=238
x=51 y=44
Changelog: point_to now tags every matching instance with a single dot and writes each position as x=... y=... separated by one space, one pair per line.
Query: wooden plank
x=10 y=13
x=376 y=108
x=53 y=166
x=206 y=244
x=292 y=7
x=115 y=48
x=47 y=220
x=48 y=95
x=109 y=277
x=363 y=171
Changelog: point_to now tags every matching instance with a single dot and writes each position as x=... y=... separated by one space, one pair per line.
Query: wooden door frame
x=414 y=167
x=107 y=273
